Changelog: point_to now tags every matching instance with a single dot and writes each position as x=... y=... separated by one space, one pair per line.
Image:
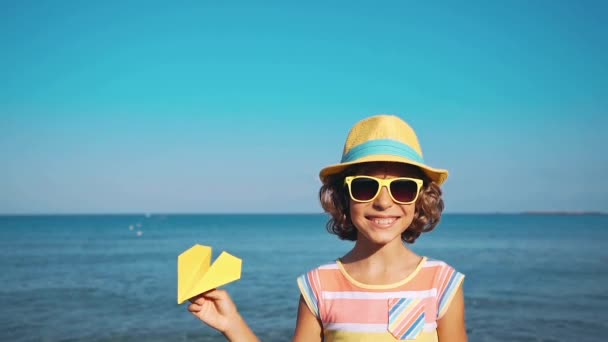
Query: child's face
x=382 y=220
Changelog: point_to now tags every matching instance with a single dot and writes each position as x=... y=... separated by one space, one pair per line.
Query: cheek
x=408 y=211
x=411 y=211
x=356 y=211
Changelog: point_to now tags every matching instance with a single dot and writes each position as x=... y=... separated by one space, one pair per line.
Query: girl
x=381 y=195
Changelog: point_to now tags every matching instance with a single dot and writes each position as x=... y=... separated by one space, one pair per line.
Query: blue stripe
x=446 y=292
x=396 y=305
x=399 y=307
x=453 y=283
x=312 y=296
x=310 y=293
x=382 y=146
x=415 y=328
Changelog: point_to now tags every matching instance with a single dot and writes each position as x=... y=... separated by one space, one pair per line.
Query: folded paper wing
x=196 y=275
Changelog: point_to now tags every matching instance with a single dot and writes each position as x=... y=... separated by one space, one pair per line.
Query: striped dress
x=406 y=310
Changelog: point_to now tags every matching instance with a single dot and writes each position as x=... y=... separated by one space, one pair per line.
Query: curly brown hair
x=335 y=200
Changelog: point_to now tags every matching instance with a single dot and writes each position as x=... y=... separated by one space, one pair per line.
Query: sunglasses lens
x=363 y=189
x=404 y=190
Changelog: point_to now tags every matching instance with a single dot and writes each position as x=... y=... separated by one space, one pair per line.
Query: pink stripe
x=408 y=320
x=430 y=310
x=316 y=285
x=445 y=282
x=357 y=311
x=333 y=280
x=392 y=302
x=443 y=276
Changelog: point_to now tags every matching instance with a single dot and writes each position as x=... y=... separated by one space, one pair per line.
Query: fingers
x=194 y=308
x=215 y=294
x=197 y=300
x=200 y=299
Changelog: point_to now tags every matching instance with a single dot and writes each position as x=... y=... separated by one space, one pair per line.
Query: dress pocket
x=406 y=317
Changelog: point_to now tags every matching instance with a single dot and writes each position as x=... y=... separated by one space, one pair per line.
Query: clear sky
x=223 y=106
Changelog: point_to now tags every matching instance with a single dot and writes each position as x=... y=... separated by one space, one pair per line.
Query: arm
x=451 y=326
x=308 y=327
x=217 y=310
x=240 y=332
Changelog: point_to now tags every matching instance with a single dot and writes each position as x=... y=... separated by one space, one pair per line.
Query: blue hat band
x=382 y=146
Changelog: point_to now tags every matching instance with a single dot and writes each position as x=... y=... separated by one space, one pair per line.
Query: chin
x=380 y=239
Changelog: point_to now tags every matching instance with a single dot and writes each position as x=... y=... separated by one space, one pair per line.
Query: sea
x=114 y=277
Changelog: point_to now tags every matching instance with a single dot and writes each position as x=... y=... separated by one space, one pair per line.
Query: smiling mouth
x=383 y=221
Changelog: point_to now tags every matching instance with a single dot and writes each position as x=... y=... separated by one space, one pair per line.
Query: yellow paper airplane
x=196 y=275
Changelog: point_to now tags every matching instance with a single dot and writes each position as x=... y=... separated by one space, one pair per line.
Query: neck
x=366 y=252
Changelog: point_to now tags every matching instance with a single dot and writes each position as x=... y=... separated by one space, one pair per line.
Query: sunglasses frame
x=383 y=183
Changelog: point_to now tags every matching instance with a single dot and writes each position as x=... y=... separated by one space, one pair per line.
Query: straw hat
x=384 y=138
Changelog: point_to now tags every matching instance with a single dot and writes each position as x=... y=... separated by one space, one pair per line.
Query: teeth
x=384 y=221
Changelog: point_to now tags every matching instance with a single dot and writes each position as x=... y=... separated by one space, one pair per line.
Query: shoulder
x=446 y=281
x=310 y=284
x=439 y=267
x=313 y=277
x=441 y=271
x=437 y=263
x=328 y=267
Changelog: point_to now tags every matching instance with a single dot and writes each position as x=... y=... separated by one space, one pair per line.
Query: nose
x=384 y=200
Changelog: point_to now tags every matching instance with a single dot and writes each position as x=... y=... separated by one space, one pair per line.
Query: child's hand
x=216 y=309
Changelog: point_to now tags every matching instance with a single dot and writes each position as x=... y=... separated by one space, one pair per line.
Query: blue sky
x=208 y=106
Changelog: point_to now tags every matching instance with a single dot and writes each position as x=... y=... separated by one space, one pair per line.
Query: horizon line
x=150 y=214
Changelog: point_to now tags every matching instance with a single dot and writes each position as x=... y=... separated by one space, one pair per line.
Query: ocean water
x=93 y=278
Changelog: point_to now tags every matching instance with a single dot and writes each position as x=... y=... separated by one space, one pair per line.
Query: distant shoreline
x=538 y=213
x=568 y=213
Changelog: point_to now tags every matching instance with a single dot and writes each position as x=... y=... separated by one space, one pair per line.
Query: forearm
x=239 y=331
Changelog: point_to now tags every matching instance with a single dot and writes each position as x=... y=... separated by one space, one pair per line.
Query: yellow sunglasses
x=402 y=190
